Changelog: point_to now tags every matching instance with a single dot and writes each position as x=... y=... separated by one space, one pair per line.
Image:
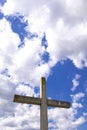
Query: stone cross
x=43 y=102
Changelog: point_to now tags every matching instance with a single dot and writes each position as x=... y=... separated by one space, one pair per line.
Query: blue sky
x=43 y=39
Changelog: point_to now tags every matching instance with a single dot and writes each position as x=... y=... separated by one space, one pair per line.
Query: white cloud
x=79 y=121
x=7 y=89
x=77 y=105
x=22 y=119
x=8 y=42
x=76 y=8
x=77 y=96
x=85 y=114
x=63 y=119
x=65 y=26
x=28 y=64
x=64 y=23
x=24 y=64
x=67 y=42
x=75 y=82
x=24 y=90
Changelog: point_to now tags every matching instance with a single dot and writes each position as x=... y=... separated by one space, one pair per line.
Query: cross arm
x=27 y=100
x=56 y=103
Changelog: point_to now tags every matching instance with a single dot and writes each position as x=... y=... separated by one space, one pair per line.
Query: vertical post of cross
x=43 y=109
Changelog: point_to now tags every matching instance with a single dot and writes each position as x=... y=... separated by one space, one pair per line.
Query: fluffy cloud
x=7 y=89
x=78 y=96
x=63 y=119
x=22 y=119
x=68 y=42
x=7 y=40
x=75 y=82
x=21 y=62
x=65 y=25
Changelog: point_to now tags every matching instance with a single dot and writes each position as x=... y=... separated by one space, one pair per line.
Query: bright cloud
x=78 y=96
x=75 y=82
x=64 y=23
x=9 y=42
x=67 y=40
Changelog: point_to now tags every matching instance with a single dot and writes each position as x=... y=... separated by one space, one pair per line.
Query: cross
x=43 y=102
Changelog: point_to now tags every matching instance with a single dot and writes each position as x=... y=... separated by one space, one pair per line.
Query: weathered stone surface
x=56 y=103
x=27 y=100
